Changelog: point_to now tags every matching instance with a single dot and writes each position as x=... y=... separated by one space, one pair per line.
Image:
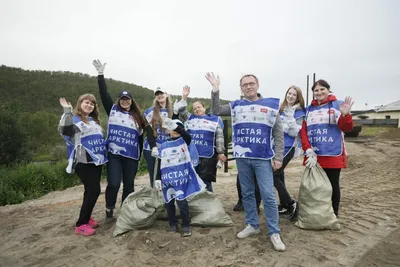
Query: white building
x=382 y=115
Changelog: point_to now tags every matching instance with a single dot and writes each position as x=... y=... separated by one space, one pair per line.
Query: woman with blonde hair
x=292 y=113
x=156 y=135
x=86 y=154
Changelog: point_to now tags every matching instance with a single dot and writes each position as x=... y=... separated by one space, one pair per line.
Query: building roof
x=395 y=106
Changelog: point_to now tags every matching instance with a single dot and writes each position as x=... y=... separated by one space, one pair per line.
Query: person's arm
x=185 y=135
x=140 y=145
x=219 y=140
x=277 y=134
x=305 y=143
x=346 y=123
x=66 y=125
x=294 y=126
x=150 y=136
x=216 y=107
x=184 y=114
x=104 y=95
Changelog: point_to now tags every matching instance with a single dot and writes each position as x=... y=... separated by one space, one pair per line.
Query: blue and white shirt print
x=162 y=135
x=322 y=129
x=91 y=139
x=290 y=141
x=123 y=134
x=178 y=177
x=252 y=123
x=202 y=130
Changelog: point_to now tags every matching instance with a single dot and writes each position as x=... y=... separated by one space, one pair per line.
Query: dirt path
x=40 y=232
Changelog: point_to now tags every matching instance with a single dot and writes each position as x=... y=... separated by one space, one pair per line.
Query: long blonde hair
x=94 y=114
x=299 y=100
x=156 y=119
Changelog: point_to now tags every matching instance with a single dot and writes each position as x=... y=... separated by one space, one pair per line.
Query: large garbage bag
x=315 y=202
x=139 y=210
x=206 y=210
x=142 y=208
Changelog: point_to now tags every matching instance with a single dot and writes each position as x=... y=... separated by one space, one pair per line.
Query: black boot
x=109 y=217
x=238 y=206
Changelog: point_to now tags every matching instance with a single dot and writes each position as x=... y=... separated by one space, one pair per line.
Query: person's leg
x=239 y=204
x=208 y=185
x=286 y=201
x=265 y=181
x=171 y=212
x=246 y=178
x=150 y=161
x=129 y=170
x=89 y=174
x=184 y=212
x=334 y=177
x=114 y=174
x=257 y=194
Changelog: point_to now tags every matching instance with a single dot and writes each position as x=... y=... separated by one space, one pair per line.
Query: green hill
x=30 y=109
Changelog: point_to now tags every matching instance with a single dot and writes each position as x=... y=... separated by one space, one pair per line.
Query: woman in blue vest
x=292 y=113
x=156 y=135
x=207 y=134
x=322 y=135
x=124 y=142
x=86 y=154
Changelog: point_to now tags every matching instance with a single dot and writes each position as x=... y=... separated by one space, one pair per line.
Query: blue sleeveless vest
x=122 y=134
x=203 y=130
x=92 y=140
x=322 y=129
x=252 y=124
x=162 y=135
x=178 y=177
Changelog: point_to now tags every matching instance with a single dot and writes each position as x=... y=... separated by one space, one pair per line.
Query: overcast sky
x=354 y=45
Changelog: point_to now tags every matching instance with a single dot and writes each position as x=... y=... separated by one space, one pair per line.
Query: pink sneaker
x=92 y=223
x=84 y=229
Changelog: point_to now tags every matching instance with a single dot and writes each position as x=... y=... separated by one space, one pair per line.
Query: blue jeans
x=262 y=169
x=119 y=167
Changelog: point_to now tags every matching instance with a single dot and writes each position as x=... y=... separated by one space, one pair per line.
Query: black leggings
x=90 y=177
x=334 y=175
x=279 y=181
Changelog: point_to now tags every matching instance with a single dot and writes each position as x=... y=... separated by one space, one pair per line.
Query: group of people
x=182 y=150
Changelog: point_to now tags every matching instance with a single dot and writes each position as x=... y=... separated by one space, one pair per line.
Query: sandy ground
x=40 y=232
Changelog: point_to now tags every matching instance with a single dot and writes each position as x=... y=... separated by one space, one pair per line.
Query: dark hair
x=321 y=83
x=134 y=110
x=248 y=75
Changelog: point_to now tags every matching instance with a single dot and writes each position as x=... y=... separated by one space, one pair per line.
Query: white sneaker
x=277 y=242
x=248 y=231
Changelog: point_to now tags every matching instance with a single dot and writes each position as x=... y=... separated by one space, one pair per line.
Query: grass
x=370 y=131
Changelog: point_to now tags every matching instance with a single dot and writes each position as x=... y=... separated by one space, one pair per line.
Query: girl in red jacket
x=322 y=135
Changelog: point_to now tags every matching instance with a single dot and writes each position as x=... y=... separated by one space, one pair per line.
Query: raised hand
x=169 y=124
x=64 y=103
x=185 y=92
x=178 y=105
x=99 y=67
x=214 y=81
x=345 y=107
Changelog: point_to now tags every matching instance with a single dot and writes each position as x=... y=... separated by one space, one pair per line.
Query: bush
x=28 y=181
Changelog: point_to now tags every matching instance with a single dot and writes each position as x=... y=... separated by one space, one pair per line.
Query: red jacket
x=345 y=124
